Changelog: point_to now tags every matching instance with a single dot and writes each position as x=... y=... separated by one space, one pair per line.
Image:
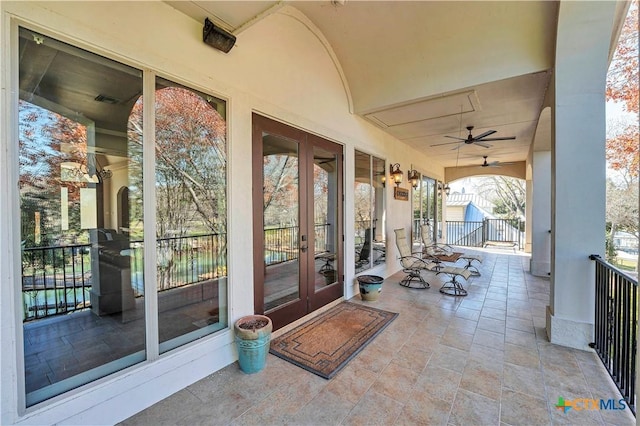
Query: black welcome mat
x=326 y=343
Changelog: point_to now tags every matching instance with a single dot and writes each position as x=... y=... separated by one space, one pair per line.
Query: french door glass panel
x=281 y=215
x=424 y=209
x=325 y=214
x=81 y=216
x=191 y=220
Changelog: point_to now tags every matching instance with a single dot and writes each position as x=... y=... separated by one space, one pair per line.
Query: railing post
x=484 y=231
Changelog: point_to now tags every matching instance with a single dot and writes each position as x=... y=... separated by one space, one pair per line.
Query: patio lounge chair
x=445 y=253
x=413 y=266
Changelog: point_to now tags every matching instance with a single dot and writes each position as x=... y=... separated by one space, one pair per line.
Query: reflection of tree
x=190 y=162
x=46 y=141
x=190 y=180
x=320 y=194
x=362 y=194
x=280 y=190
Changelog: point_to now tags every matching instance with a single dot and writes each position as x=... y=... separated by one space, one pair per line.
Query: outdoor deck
x=483 y=359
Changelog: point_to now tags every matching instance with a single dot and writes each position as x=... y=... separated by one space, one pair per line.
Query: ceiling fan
x=492 y=163
x=478 y=140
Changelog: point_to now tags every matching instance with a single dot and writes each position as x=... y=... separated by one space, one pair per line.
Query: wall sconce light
x=217 y=37
x=444 y=188
x=383 y=179
x=414 y=178
x=396 y=173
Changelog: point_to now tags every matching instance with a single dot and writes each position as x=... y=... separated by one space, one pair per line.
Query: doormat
x=326 y=343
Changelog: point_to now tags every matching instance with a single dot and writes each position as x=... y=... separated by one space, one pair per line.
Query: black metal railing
x=461 y=233
x=57 y=280
x=187 y=260
x=487 y=231
x=282 y=244
x=616 y=322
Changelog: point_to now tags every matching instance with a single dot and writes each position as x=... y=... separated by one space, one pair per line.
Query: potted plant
x=253 y=335
x=370 y=286
x=330 y=276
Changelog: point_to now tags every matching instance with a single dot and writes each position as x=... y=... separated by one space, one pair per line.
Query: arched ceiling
x=422 y=70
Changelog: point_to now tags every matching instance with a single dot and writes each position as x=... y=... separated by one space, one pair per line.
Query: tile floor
x=479 y=360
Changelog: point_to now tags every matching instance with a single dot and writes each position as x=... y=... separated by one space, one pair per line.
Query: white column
x=528 y=212
x=578 y=164
x=541 y=215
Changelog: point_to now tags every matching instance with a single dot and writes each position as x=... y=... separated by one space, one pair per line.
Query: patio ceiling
x=426 y=69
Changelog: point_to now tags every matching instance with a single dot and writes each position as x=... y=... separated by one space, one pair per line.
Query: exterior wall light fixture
x=414 y=178
x=444 y=188
x=396 y=173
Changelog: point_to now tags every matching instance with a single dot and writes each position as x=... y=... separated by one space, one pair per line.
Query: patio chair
x=441 y=252
x=413 y=266
x=365 y=251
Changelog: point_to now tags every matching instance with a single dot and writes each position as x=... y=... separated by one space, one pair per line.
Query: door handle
x=303 y=249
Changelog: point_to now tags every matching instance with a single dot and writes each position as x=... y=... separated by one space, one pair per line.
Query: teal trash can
x=253 y=336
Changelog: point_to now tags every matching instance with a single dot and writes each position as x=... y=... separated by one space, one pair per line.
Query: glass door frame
x=308 y=298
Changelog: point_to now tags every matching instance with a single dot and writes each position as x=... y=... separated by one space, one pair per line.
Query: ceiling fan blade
x=446 y=143
x=482 y=144
x=487 y=133
x=507 y=138
x=455 y=137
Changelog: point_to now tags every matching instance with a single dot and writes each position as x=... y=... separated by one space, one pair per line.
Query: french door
x=297 y=221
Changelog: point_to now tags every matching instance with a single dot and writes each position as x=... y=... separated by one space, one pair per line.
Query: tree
x=621 y=213
x=622 y=79
x=622 y=86
x=508 y=194
x=622 y=142
x=622 y=151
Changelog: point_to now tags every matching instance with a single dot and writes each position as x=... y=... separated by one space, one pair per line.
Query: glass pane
x=281 y=221
x=430 y=206
x=379 y=244
x=191 y=219
x=437 y=229
x=363 y=211
x=417 y=195
x=325 y=216
x=81 y=216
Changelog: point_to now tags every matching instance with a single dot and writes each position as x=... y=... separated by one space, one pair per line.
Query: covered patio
x=366 y=89
x=482 y=359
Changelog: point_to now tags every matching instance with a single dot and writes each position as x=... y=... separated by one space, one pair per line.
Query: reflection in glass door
x=424 y=209
x=281 y=185
x=369 y=189
x=297 y=221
